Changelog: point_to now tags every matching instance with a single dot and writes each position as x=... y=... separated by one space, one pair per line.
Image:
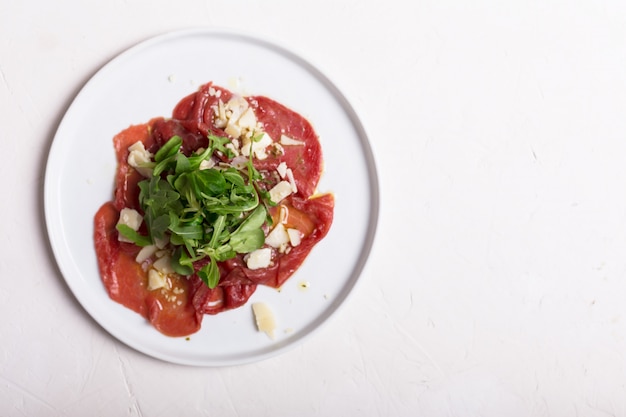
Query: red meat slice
x=126 y=281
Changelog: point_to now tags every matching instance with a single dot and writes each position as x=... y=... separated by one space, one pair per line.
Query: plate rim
x=49 y=199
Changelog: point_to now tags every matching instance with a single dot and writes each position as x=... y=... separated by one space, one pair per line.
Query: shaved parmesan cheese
x=277 y=237
x=145 y=253
x=286 y=140
x=280 y=191
x=233 y=130
x=138 y=156
x=258 y=146
x=264 y=318
x=247 y=120
x=156 y=280
x=284 y=213
x=282 y=169
x=207 y=164
x=220 y=113
x=287 y=173
x=164 y=265
x=292 y=181
x=237 y=105
x=295 y=237
x=260 y=258
x=131 y=218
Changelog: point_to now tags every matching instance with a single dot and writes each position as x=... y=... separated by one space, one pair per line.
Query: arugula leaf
x=254 y=221
x=196 y=160
x=130 y=234
x=181 y=263
x=215 y=213
x=209 y=182
x=247 y=241
x=182 y=164
x=170 y=148
x=249 y=235
x=210 y=274
x=217 y=143
x=159 y=225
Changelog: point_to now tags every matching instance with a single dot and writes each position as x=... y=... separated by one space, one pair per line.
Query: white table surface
x=497 y=282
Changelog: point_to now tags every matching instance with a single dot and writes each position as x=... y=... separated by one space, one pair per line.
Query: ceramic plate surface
x=147 y=81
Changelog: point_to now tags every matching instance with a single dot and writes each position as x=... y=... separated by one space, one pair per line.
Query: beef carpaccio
x=174 y=267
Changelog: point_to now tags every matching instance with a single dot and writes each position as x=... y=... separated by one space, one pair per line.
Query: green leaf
x=182 y=164
x=218 y=143
x=209 y=212
x=218 y=227
x=159 y=225
x=265 y=196
x=164 y=165
x=196 y=160
x=191 y=232
x=181 y=262
x=224 y=253
x=247 y=241
x=132 y=235
x=254 y=221
x=184 y=231
x=234 y=177
x=249 y=235
x=209 y=182
x=210 y=274
x=176 y=240
x=169 y=149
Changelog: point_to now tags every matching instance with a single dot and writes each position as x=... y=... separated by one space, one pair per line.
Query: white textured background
x=497 y=283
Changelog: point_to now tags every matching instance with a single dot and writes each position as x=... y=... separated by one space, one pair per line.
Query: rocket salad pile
x=214 y=213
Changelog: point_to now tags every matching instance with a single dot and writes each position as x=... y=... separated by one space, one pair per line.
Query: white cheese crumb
x=207 y=164
x=131 y=218
x=138 y=156
x=280 y=191
x=156 y=280
x=220 y=120
x=237 y=105
x=284 y=213
x=282 y=169
x=286 y=140
x=145 y=253
x=277 y=237
x=292 y=180
x=258 y=147
x=247 y=120
x=264 y=318
x=164 y=265
x=295 y=237
x=260 y=258
x=233 y=130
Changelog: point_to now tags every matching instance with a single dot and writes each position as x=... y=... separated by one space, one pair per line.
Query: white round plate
x=147 y=81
